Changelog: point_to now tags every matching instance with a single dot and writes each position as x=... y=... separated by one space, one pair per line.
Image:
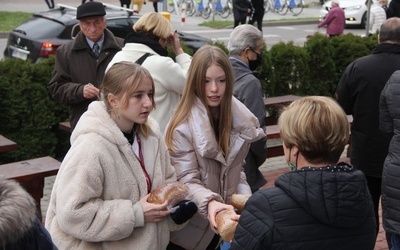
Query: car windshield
x=34 y=28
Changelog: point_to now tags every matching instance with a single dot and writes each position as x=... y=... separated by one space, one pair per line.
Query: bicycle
x=275 y=6
x=224 y=12
x=295 y=6
x=191 y=6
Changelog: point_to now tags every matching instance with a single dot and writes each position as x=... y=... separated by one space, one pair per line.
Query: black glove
x=185 y=210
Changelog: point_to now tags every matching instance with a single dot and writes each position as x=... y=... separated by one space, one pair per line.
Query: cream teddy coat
x=95 y=198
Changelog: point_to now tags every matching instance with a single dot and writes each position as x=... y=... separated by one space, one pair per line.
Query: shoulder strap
x=142 y=58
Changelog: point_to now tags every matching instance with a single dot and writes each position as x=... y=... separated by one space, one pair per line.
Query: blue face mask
x=291 y=165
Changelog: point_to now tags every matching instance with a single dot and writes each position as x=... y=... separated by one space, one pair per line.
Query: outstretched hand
x=215 y=207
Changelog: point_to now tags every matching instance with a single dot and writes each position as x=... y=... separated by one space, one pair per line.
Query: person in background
x=388 y=124
x=334 y=21
x=321 y=204
x=126 y=3
x=80 y=64
x=19 y=226
x=152 y=33
x=208 y=138
x=376 y=18
x=245 y=48
x=117 y=157
x=139 y=4
x=241 y=9
x=258 y=13
x=358 y=93
x=394 y=9
x=383 y=4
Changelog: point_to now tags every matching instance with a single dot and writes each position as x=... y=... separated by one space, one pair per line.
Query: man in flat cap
x=81 y=63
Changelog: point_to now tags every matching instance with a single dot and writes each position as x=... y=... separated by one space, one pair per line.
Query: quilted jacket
x=202 y=166
x=309 y=209
x=389 y=123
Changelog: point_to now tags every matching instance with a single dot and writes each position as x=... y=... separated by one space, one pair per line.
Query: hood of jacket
x=245 y=127
x=337 y=198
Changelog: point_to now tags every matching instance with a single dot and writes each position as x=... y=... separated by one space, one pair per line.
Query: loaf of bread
x=174 y=192
x=226 y=227
x=239 y=200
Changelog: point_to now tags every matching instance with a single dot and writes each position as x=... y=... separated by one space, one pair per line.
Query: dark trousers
x=241 y=21
x=155 y=5
x=374 y=186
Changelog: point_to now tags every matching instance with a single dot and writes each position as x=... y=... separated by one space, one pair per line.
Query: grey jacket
x=248 y=90
x=75 y=67
x=389 y=123
x=202 y=166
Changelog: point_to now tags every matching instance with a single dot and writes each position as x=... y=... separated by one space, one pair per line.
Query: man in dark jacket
x=81 y=63
x=358 y=93
x=245 y=48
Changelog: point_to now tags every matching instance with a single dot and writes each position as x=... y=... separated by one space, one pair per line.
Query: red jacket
x=335 y=21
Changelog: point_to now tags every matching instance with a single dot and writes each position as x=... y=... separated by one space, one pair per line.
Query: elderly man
x=81 y=63
x=358 y=93
x=245 y=49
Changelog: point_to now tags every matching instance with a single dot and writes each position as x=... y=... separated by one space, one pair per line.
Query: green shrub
x=29 y=116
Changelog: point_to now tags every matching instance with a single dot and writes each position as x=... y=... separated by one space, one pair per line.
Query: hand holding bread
x=173 y=192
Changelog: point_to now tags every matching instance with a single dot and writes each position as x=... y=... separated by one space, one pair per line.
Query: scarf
x=148 y=40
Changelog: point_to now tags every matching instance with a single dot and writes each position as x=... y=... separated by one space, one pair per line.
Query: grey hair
x=244 y=36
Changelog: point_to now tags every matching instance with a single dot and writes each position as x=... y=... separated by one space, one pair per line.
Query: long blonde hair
x=195 y=87
x=122 y=80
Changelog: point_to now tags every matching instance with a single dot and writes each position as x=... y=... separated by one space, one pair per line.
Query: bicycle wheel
x=225 y=12
x=207 y=11
x=284 y=9
x=296 y=6
x=191 y=7
x=170 y=6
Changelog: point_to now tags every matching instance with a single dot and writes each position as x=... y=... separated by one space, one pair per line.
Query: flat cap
x=89 y=9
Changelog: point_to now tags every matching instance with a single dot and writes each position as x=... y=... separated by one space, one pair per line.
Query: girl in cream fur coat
x=117 y=156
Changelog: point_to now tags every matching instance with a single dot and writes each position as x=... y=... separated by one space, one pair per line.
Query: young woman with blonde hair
x=117 y=157
x=208 y=138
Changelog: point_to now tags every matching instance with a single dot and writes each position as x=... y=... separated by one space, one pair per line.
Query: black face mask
x=253 y=64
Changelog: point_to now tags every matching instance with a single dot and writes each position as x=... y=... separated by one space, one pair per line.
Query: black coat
x=240 y=8
x=311 y=209
x=394 y=9
x=358 y=93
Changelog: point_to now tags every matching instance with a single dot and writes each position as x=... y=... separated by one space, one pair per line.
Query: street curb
x=266 y=23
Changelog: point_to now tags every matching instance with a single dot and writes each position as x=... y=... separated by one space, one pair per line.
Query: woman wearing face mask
x=321 y=204
x=208 y=138
x=245 y=49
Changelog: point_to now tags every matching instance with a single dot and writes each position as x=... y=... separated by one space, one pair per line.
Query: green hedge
x=30 y=117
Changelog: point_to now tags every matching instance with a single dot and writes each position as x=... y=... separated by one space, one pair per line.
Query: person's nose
x=148 y=102
x=213 y=86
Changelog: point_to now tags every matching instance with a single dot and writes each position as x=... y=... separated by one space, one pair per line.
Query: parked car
x=355 y=11
x=41 y=35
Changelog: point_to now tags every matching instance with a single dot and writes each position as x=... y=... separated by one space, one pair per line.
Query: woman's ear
x=112 y=100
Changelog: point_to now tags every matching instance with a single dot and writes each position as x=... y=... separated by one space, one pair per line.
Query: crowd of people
x=141 y=119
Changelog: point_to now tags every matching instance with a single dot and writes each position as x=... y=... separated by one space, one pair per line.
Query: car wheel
x=363 y=21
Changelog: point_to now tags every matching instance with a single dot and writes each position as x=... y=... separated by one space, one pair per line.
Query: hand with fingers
x=90 y=91
x=154 y=212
